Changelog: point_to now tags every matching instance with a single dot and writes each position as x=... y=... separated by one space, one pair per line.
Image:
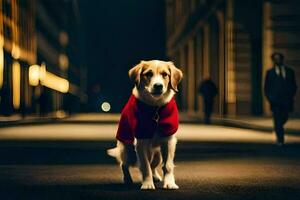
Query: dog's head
x=155 y=78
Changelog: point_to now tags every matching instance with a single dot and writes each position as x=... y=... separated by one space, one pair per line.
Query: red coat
x=138 y=120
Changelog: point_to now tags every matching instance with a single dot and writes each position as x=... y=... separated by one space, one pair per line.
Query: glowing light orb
x=105 y=106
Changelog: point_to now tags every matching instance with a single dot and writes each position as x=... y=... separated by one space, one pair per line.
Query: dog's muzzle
x=157 y=89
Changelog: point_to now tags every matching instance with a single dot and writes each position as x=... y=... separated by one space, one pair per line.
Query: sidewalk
x=256 y=123
x=248 y=122
x=17 y=119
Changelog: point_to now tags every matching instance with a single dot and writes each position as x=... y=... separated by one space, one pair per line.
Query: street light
x=39 y=73
x=34 y=75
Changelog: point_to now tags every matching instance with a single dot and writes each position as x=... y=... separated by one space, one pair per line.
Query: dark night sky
x=119 y=34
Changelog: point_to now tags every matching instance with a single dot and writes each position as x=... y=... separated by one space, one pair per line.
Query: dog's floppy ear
x=135 y=73
x=176 y=76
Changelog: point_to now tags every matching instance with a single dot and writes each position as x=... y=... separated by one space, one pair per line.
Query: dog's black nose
x=158 y=87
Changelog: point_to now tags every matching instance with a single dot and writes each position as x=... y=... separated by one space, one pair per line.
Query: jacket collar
x=152 y=111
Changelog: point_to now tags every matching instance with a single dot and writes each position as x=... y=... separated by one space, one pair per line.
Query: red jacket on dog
x=141 y=121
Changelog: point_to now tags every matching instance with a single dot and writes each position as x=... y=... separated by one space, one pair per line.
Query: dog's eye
x=164 y=74
x=149 y=74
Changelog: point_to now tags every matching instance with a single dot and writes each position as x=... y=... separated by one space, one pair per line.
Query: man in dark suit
x=280 y=88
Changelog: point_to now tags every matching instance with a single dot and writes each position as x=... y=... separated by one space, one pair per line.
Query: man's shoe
x=280 y=144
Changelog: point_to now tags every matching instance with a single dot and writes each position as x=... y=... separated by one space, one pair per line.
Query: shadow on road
x=120 y=191
x=94 y=152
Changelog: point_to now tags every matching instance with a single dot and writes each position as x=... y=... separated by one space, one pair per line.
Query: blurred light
x=34 y=75
x=63 y=38
x=1 y=65
x=16 y=84
x=60 y=114
x=63 y=61
x=15 y=52
x=39 y=73
x=1 y=35
x=105 y=106
x=42 y=73
x=56 y=83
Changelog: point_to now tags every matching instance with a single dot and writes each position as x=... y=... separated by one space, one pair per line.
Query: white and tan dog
x=151 y=117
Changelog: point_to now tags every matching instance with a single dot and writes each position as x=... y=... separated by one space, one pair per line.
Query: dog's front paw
x=170 y=186
x=169 y=182
x=147 y=185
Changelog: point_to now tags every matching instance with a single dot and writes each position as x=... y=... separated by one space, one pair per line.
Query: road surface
x=68 y=161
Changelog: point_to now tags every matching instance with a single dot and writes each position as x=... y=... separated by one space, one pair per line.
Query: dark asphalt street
x=212 y=162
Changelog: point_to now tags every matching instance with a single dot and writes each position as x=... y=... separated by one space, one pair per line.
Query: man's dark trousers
x=208 y=108
x=280 y=117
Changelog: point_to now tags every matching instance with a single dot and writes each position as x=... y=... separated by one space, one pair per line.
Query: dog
x=148 y=124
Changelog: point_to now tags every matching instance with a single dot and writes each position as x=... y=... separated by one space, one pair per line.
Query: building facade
x=231 y=41
x=39 y=67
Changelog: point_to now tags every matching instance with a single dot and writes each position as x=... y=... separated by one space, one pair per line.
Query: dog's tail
x=123 y=154
x=117 y=152
x=113 y=152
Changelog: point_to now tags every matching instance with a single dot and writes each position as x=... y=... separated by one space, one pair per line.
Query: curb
x=24 y=122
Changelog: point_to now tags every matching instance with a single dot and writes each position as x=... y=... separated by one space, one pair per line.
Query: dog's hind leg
x=129 y=158
x=168 y=153
x=144 y=155
x=126 y=156
x=126 y=174
x=155 y=164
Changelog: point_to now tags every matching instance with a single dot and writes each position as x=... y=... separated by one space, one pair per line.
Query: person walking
x=208 y=91
x=280 y=89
